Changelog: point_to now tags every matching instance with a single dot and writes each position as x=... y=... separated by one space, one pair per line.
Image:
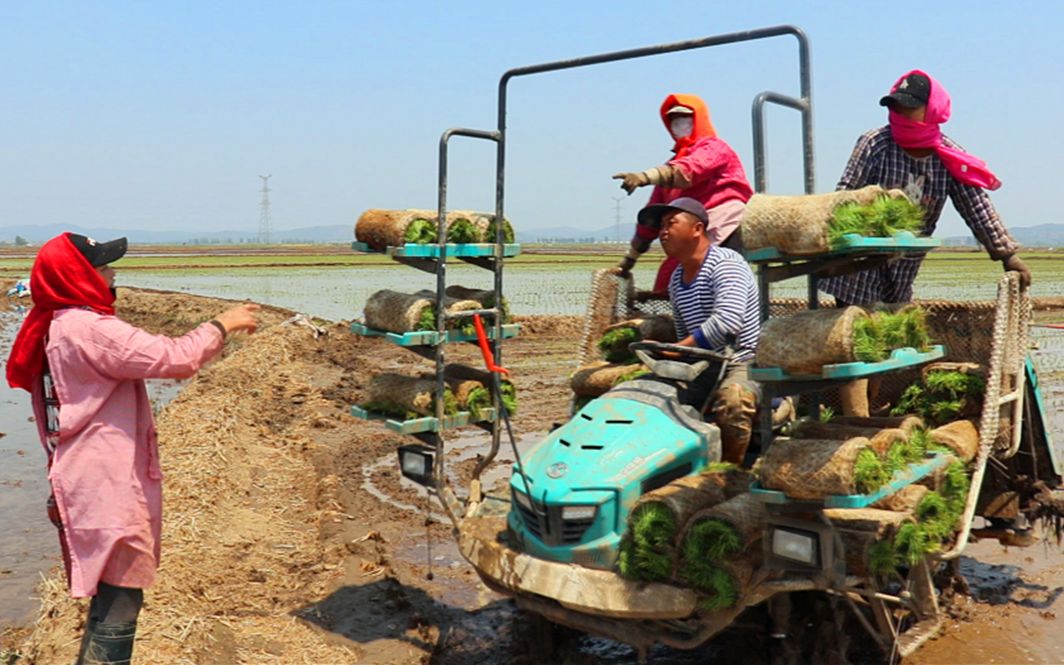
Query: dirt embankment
x=272 y=551
x=275 y=549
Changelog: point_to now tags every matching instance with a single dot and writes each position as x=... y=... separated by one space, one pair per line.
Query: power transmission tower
x=617 y=216
x=264 y=210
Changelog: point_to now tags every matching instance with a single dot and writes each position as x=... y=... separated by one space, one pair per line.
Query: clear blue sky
x=161 y=115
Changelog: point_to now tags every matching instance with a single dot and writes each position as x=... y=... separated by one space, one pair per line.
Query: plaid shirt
x=878 y=160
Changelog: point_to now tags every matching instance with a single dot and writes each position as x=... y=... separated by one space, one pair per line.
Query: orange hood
x=703 y=127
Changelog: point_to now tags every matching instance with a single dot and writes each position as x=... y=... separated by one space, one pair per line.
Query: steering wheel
x=665 y=351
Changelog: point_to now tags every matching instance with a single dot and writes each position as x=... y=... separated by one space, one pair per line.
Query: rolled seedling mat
x=726 y=583
x=814 y=429
x=454 y=306
x=460 y=227
x=904 y=500
x=649 y=546
x=400 y=395
x=974 y=369
x=936 y=480
x=884 y=439
x=860 y=529
x=485 y=226
x=715 y=537
x=615 y=340
x=390 y=228
x=400 y=312
x=598 y=377
x=485 y=297
x=803 y=343
x=472 y=389
x=961 y=436
x=814 y=468
x=797 y=225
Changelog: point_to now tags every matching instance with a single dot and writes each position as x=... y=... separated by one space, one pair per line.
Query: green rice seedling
x=910 y=402
x=911 y=544
x=722 y=589
x=944 y=411
x=882 y=218
x=869 y=472
x=907 y=328
x=881 y=559
x=480 y=398
x=462 y=231
x=626 y=557
x=955 y=384
x=888 y=215
x=955 y=486
x=868 y=343
x=507 y=232
x=935 y=515
x=847 y=218
x=653 y=527
x=614 y=345
x=426 y=320
x=420 y=231
x=711 y=540
x=827 y=414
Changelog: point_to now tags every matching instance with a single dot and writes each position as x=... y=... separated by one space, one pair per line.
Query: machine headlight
x=522 y=499
x=800 y=546
x=415 y=463
x=579 y=513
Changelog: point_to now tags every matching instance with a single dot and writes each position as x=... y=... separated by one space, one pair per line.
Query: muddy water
x=28 y=541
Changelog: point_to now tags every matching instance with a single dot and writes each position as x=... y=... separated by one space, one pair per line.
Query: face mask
x=681 y=127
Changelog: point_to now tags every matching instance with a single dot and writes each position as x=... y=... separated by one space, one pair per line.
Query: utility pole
x=264 y=210
x=617 y=216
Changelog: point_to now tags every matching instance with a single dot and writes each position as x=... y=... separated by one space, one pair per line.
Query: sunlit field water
x=542 y=287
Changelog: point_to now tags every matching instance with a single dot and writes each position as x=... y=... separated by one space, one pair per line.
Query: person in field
x=703 y=167
x=715 y=298
x=85 y=369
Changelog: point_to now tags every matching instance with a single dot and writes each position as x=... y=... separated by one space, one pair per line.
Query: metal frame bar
x=802 y=104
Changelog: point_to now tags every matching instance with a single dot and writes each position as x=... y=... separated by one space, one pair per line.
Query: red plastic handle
x=485 y=349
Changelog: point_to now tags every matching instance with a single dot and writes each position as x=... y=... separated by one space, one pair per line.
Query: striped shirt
x=878 y=160
x=719 y=307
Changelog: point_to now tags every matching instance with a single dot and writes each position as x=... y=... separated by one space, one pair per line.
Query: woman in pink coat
x=85 y=369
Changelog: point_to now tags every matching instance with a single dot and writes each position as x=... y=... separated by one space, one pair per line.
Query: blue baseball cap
x=651 y=215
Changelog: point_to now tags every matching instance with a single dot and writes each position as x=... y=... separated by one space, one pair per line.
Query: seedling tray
x=431 y=337
x=432 y=250
x=899 y=359
x=426 y=424
x=851 y=243
x=902 y=478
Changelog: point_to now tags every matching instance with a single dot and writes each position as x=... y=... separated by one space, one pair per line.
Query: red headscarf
x=703 y=127
x=61 y=277
x=907 y=133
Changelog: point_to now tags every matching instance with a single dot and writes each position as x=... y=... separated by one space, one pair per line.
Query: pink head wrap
x=966 y=168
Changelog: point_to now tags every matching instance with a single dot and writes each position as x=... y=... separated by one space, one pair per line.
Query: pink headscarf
x=966 y=168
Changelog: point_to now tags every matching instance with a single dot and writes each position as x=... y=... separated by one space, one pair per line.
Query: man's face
x=680 y=233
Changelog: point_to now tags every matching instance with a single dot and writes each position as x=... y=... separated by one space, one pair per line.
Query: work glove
x=624 y=268
x=1013 y=262
x=632 y=181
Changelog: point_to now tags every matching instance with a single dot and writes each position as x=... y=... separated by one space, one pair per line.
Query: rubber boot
x=110 y=644
x=734 y=409
x=90 y=627
x=854 y=398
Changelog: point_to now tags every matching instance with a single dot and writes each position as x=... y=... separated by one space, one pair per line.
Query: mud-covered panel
x=1046 y=374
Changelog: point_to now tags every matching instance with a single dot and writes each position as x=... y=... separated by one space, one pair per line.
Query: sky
x=162 y=115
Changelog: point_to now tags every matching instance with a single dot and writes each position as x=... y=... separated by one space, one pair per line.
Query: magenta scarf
x=966 y=168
